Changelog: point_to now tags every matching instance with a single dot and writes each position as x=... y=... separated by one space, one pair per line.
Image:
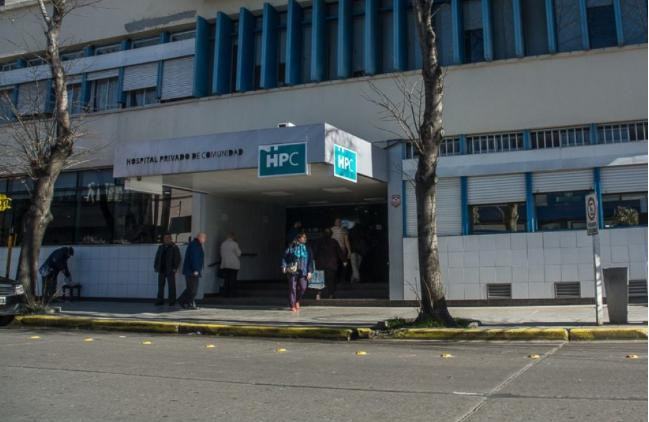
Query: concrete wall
x=531 y=262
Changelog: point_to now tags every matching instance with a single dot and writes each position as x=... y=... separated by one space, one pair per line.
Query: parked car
x=11 y=299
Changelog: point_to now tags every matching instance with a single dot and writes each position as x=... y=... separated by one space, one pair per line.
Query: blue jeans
x=297 y=284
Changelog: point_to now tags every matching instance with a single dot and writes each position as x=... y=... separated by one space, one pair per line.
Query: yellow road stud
x=35 y=337
x=122 y=336
x=632 y=356
x=446 y=355
x=534 y=356
x=88 y=339
x=210 y=346
x=147 y=342
x=280 y=350
x=361 y=353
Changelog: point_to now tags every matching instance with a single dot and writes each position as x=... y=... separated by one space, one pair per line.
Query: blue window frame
x=473 y=32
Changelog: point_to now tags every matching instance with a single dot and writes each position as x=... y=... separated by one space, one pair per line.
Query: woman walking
x=297 y=263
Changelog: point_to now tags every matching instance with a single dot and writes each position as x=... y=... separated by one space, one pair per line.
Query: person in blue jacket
x=298 y=264
x=192 y=270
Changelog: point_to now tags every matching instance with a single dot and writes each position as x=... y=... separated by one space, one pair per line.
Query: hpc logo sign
x=345 y=163
x=282 y=160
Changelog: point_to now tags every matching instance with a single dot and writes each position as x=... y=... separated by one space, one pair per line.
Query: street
x=53 y=375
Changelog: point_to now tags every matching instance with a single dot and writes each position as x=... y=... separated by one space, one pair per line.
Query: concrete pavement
x=60 y=376
x=566 y=315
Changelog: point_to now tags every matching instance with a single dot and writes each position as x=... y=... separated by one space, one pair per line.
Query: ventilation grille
x=637 y=288
x=499 y=291
x=567 y=290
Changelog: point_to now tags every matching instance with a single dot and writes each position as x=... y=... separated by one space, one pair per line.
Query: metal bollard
x=616 y=283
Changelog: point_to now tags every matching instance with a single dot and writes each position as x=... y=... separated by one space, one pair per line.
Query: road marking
x=361 y=353
x=506 y=382
x=632 y=356
x=35 y=337
x=146 y=342
x=88 y=339
x=210 y=346
x=280 y=350
x=446 y=355
x=534 y=356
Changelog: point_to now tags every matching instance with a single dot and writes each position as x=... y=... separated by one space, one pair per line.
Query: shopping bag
x=317 y=281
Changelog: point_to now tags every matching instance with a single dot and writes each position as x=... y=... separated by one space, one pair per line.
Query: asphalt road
x=116 y=377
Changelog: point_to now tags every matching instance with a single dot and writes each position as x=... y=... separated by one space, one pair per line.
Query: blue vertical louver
x=269 y=45
x=318 y=52
x=597 y=185
x=201 y=86
x=487 y=31
x=222 y=55
x=124 y=45
x=293 y=43
x=245 y=51
x=344 y=63
x=457 y=25
x=583 y=20
x=400 y=34
x=164 y=38
x=464 y=203
x=530 y=209
x=551 y=26
x=519 y=39
x=371 y=59
x=619 y=29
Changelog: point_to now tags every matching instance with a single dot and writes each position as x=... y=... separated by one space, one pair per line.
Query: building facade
x=545 y=102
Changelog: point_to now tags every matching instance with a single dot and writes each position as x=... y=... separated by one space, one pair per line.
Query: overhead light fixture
x=276 y=193
x=336 y=190
x=375 y=198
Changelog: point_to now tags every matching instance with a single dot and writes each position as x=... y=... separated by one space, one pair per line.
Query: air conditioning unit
x=286 y=124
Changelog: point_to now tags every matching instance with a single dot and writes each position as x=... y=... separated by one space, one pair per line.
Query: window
x=35 y=61
x=183 y=35
x=601 y=24
x=358 y=31
x=450 y=146
x=6 y=109
x=19 y=190
x=104 y=94
x=634 y=21
x=60 y=231
x=500 y=142
x=444 y=34
x=281 y=50
x=561 y=210
x=568 y=25
x=257 y=53
x=331 y=41
x=498 y=218
x=141 y=97
x=306 y=45
x=535 y=31
x=503 y=29
x=623 y=132
x=386 y=37
x=106 y=49
x=72 y=55
x=557 y=138
x=473 y=37
x=145 y=42
x=8 y=66
x=625 y=209
x=74 y=98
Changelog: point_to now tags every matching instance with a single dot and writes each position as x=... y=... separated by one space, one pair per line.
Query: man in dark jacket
x=167 y=261
x=328 y=258
x=53 y=265
x=192 y=269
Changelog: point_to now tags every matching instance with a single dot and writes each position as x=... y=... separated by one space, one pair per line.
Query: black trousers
x=49 y=286
x=331 y=280
x=188 y=296
x=230 y=282
x=170 y=278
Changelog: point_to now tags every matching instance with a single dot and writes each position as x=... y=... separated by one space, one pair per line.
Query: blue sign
x=282 y=160
x=345 y=163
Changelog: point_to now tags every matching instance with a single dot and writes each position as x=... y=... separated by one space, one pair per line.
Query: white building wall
x=531 y=262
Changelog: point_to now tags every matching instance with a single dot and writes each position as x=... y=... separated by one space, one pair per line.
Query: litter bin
x=616 y=282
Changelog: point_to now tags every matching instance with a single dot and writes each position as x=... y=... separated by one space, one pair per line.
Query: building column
x=519 y=37
x=619 y=28
x=593 y=137
x=583 y=20
x=464 y=203
x=551 y=27
x=201 y=86
x=245 y=51
x=371 y=54
x=344 y=50
x=530 y=206
x=269 y=42
x=293 y=43
x=222 y=55
x=487 y=31
x=396 y=227
x=457 y=25
x=318 y=40
x=400 y=34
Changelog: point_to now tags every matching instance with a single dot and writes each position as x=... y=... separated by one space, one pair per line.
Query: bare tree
x=39 y=141
x=417 y=114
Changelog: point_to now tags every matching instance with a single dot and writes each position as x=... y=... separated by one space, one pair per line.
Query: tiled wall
x=118 y=271
x=531 y=262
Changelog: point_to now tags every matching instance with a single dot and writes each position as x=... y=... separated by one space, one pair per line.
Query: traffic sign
x=345 y=161
x=282 y=160
x=592 y=223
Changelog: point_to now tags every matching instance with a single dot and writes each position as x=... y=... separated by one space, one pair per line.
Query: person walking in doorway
x=230 y=264
x=328 y=258
x=192 y=270
x=340 y=235
x=49 y=271
x=167 y=261
x=297 y=263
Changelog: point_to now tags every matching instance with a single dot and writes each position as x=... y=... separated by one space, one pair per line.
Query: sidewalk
x=530 y=316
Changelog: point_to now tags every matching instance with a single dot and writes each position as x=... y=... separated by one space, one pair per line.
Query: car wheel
x=6 y=319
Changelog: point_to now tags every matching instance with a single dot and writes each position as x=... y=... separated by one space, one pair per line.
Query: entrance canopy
x=228 y=164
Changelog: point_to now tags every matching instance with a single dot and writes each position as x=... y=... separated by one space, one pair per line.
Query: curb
x=605 y=333
x=554 y=334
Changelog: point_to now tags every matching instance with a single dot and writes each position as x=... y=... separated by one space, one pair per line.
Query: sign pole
x=592 y=229
x=597 y=264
